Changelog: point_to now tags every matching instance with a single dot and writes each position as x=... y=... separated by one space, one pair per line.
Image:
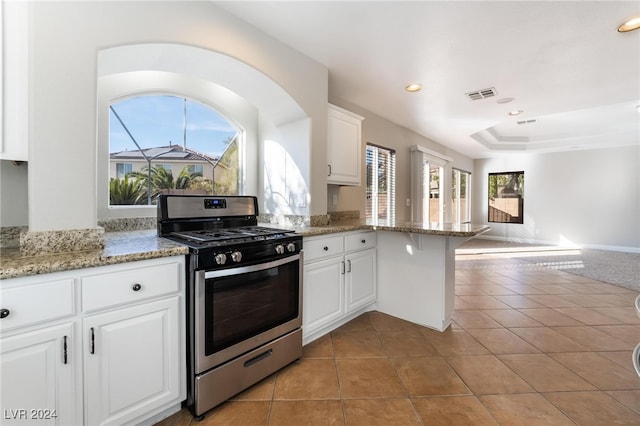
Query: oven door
x=240 y=309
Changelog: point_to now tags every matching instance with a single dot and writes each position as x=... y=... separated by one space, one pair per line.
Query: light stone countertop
x=120 y=247
x=130 y=246
x=445 y=230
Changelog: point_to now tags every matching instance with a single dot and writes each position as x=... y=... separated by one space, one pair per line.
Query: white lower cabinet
x=323 y=294
x=98 y=346
x=39 y=369
x=360 y=279
x=131 y=358
x=339 y=280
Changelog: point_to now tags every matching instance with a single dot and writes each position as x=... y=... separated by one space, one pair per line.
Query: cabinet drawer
x=322 y=247
x=130 y=285
x=359 y=241
x=32 y=304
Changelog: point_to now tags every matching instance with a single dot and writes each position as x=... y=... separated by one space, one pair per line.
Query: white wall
x=13 y=194
x=586 y=197
x=380 y=131
x=65 y=38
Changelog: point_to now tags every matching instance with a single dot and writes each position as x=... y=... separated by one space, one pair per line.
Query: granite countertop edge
x=131 y=246
x=446 y=230
x=120 y=247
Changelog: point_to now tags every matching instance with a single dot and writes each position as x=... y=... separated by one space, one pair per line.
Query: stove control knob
x=236 y=256
x=291 y=247
x=280 y=249
x=220 y=258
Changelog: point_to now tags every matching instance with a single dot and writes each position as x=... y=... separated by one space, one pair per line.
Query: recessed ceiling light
x=504 y=100
x=516 y=112
x=630 y=25
x=413 y=87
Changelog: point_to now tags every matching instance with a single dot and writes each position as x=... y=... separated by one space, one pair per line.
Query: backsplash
x=10 y=236
x=34 y=243
x=121 y=224
x=343 y=215
x=43 y=242
x=315 y=220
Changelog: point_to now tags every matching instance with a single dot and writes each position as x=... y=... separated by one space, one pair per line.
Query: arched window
x=169 y=144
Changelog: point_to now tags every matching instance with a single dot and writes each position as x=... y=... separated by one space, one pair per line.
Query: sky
x=159 y=120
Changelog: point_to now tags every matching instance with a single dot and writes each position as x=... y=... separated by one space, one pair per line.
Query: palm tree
x=162 y=179
x=126 y=191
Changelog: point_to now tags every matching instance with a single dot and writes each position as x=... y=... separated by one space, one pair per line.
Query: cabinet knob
x=325 y=248
x=136 y=287
x=4 y=313
x=363 y=241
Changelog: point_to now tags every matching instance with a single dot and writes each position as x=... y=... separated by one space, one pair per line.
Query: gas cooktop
x=231 y=235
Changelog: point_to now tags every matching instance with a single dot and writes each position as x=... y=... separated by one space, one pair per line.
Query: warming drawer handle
x=4 y=313
x=258 y=358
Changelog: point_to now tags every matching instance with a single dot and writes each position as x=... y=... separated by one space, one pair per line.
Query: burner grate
x=229 y=234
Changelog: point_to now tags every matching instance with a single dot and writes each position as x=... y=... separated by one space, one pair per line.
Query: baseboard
x=316 y=334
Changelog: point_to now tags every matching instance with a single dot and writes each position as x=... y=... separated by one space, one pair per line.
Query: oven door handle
x=252 y=268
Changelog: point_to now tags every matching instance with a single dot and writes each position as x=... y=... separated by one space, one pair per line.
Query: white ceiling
x=563 y=62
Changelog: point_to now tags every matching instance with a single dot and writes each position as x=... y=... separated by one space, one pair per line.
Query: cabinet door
x=344 y=147
x=38 y=371
x=323 y=295
x=132 y=359
x=361 y=286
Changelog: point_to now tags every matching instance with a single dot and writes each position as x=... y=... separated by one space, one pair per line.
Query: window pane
x=171 y=145
x=380 y=191
x=123 y=169
x=461 y=209
x=506 y=197
x=465 y=207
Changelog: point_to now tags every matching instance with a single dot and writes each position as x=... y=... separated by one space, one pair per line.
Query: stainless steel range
x=244 y=294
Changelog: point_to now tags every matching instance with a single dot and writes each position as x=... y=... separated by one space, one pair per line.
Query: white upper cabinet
x=13 y=80
x=344 y=147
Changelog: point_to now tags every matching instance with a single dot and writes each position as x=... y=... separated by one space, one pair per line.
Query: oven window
x=241 y=306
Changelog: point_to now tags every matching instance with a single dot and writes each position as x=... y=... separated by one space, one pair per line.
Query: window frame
x=121 y=174
x=372 y=211
x=516 y=196
x=456 y=210
x=115 y=87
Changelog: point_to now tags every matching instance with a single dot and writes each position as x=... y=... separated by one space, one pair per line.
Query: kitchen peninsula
x=415 y=265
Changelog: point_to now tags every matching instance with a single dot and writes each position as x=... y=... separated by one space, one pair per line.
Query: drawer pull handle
x=136 y=287
x=363 y=241
x=325 y=248
x=4 y=313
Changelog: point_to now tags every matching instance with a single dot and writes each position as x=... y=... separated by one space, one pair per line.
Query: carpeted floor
x=612 y=267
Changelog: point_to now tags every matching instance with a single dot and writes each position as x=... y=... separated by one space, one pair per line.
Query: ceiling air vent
x=482 y=94
x=527 y=121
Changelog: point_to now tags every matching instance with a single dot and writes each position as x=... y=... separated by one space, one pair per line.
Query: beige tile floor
x=529 y=346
